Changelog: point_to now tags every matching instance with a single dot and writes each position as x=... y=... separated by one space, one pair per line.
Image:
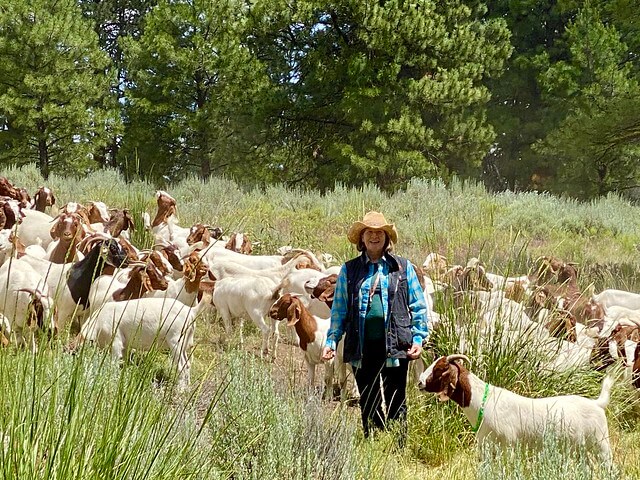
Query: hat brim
x=357 y=228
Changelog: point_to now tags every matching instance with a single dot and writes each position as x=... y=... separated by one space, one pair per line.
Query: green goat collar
x=481 y=411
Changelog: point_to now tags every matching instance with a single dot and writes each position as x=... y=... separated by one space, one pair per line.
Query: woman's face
x=374 y=241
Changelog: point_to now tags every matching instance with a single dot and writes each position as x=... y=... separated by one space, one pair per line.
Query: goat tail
x=603 y=400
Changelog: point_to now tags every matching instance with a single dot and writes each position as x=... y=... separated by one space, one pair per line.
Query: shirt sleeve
x=338 y=310
x=417 y=306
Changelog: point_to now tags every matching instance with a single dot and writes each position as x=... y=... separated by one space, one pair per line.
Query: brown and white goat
x=120 y=220
x=323 y=289
x=8 y=189
x=312 y=335
x=140 y=279
x=43 y=198
x=10 y=213
x=507 y=419
x=67 y=233
x=240 y=243
x=199 y=232
x=186 y=288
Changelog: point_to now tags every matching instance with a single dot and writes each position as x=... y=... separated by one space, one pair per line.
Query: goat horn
x=457 y=356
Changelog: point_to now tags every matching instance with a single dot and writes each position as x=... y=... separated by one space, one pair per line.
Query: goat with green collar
x=508 y=419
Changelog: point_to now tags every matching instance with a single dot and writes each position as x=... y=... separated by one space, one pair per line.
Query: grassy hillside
x=83 y=417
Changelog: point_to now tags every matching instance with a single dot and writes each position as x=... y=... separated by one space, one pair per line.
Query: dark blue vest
x=399 y=337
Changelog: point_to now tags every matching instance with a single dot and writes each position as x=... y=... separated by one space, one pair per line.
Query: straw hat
x=372 y=220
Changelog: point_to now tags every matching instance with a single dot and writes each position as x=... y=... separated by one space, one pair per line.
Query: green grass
x=85 y=417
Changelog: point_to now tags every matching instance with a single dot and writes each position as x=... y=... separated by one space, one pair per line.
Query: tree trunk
x=205 y=167
x=43 y=150
x=43 y=159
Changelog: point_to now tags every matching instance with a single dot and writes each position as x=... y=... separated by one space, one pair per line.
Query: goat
x=170 y=253
x=25 y=303
x=69 y=284
x=312 y=332
x=43 y=198
x=323 y=289
x=223 y=262
x=619 y=344
x=67 y=232
x=545 y=270
x=506 y=418
x=35 y=228
x=186 y=288
x=11 y=246
x=143 y=323
x=10 y=213
x=619 y=298
x=7 y=189
x=297 y=282
x=199 y=232
x=251 y=294
x=119 y=221
x=165 y=224
x=239 y=243
x=140 y=279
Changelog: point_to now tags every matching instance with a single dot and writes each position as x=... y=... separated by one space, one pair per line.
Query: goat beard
x=442 y=396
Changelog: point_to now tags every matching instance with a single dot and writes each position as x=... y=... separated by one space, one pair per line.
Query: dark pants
x=394 y=386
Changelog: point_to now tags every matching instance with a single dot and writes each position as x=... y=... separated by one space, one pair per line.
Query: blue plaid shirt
x=416 y=302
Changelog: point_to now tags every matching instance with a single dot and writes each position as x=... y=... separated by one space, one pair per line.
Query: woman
x=380 y=308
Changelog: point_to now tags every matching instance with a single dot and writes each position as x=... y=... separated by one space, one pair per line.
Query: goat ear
x=54 y=231
x=448 y=383
x=293 y=314
x=129 y=220
x=188 y=271
x=327 y=295
x=146 y=281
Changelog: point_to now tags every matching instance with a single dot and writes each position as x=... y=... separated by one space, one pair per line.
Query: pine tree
x=381 y=91
x=594 y=149
x=189 y=107
x=114 y=20
x=54 y=93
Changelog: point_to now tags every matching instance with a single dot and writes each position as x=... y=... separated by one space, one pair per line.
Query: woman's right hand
x=328 y=353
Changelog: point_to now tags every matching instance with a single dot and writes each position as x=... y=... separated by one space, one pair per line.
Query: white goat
x=35 y=228
x=25 y=303
x=143 y=323
x=251 y=294
x=223 y=262
x=610 y=297
x=569 y=355
x=506 y=418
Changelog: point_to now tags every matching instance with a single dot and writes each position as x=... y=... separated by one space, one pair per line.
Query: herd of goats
x=80 y=269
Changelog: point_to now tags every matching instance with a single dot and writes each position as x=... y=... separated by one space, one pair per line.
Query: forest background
x=520 y=94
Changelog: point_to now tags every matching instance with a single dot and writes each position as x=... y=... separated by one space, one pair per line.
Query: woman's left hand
x=414 y=352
